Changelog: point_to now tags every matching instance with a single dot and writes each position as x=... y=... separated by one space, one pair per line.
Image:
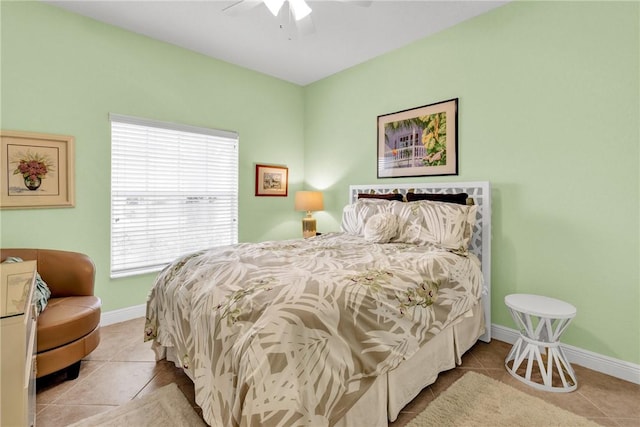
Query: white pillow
x=356 y=215
x=447 y=225
x=381 y=227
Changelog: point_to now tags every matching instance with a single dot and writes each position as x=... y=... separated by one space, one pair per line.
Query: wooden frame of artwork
x=421 y=141
x=272 y=180
x=37 y=170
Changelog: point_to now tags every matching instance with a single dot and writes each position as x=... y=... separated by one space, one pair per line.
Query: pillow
x=459 y=198
x=355 y=215
x=42 y=293
x=446 y=225
x=381 y=227
x=388 y=196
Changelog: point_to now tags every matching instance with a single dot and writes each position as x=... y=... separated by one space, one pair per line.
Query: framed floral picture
x=419 y=142
x=37 y=170
x=272 y=180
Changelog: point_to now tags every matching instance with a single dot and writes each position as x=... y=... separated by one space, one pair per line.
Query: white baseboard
x=123 y=314
x=607 y=365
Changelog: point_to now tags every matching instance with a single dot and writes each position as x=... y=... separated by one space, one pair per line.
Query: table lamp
x=308 y=201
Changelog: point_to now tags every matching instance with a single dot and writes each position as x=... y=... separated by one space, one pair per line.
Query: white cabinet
x=18 y=344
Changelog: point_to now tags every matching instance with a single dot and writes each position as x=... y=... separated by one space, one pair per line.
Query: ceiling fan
x=295 y=18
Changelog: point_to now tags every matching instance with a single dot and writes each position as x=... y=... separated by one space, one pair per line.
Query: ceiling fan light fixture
x=300 y=9
x=274 y=6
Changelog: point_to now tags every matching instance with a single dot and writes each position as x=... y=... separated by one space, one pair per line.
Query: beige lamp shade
x=308 y=201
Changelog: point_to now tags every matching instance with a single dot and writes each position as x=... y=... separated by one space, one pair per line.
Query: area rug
x=165 y=407
x=477 y=400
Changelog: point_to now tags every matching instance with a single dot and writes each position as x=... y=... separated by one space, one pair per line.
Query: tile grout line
x=76 y=383
x=606 y=415
x=145 y=385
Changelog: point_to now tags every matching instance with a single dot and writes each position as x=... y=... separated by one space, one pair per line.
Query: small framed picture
x=17 y=279
x=272 y=180
x=38 y=170
x=421 y=141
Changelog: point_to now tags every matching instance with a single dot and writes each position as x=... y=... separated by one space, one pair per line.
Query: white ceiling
x=345 y=33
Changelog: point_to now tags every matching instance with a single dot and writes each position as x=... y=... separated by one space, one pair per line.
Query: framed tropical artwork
x=420 y=141
x=272 y=180
x=37 y=170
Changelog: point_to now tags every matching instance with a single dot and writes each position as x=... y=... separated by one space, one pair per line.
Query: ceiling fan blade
x=299 y=9
x=240 y=7
x=306 y=26
x=292 y=29
x=274 y=6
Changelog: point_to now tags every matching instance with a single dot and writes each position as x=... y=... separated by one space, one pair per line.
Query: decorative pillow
x=446 y=225
x=355 y=215
x=459 y=198
x=381 y=227
x=42 y=293
x=388 y=196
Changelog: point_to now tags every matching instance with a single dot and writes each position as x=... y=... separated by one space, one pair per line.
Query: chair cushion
x=66 y=320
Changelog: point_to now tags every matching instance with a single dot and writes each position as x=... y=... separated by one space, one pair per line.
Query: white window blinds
x=174 y=190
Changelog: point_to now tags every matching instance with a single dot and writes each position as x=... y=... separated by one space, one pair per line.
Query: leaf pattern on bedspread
x=292 y=333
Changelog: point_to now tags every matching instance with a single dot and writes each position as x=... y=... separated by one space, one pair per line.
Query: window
x=174 y=190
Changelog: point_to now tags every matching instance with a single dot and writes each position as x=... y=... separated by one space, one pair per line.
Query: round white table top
x=539 y=305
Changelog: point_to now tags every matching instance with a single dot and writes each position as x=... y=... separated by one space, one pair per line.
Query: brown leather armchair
x=69 y=326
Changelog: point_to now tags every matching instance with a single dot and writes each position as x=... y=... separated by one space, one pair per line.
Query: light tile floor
x=123 y=367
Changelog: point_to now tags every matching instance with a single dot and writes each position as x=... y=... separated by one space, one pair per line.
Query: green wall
x=63 y=74
x=549 y=114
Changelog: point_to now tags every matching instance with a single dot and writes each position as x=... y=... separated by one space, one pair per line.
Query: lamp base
x=308 y=227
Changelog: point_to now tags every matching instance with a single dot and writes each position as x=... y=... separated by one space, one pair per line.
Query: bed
x=342 y=329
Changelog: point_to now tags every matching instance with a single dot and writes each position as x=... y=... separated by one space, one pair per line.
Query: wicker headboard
x=480 y=243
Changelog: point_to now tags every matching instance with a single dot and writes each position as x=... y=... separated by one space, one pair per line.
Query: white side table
x=541 y=321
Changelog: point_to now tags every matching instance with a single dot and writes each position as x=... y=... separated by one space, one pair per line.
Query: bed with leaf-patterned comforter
x=294 y=332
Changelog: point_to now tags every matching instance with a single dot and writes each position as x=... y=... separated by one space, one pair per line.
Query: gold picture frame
x=272 y=181
x=37 y=170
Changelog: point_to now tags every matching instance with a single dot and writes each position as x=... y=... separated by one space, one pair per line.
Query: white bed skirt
x=393 y=391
